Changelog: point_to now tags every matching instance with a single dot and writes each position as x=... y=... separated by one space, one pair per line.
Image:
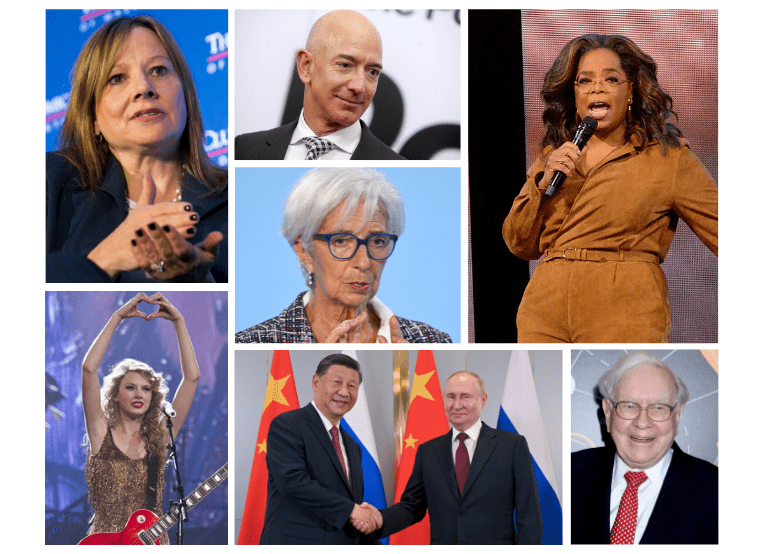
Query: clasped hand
x=366 y=518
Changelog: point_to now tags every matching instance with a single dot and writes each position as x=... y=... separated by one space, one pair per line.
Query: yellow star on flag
x=273 y=391
x=419 y=388
x=410 y=442
x=263 y=447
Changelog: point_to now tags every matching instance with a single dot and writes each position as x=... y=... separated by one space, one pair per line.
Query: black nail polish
x=194 y=217
x=166 y=228
x=187 y=207
x=191 y=231
x=152 y=226
x=132 y=241
x=139 y=232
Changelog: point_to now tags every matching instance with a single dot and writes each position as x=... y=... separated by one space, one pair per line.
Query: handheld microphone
x=168 y=410
x=583 y=134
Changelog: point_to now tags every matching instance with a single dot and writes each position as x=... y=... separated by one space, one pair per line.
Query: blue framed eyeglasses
x=343 y=246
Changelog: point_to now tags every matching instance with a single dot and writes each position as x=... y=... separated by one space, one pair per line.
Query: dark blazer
x=686 y=511
x=500 y=485
x=309 y=499
x=273 y=144
x=77 y=220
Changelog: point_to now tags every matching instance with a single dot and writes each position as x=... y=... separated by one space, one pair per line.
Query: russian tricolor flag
x=357 y=422
x=520 y=414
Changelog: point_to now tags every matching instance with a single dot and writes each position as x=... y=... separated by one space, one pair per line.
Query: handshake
x=366 y=518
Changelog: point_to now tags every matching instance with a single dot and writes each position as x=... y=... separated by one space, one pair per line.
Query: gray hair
x=321 y=190
x=609 y=380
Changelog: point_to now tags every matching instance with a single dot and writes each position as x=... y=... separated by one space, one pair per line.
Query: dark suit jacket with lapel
x=273 y=144
x=686 y=511
x=309 y=499
x=500 y=485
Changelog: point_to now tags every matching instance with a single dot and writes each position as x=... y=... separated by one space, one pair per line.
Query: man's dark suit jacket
x=686 y=511
x=273 y=144
x=309 y=500
x=500 y=485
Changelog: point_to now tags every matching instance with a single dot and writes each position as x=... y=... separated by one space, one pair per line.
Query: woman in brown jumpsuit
x=609 y=226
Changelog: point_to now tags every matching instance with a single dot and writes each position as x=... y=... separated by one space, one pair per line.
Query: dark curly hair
x=651 y=105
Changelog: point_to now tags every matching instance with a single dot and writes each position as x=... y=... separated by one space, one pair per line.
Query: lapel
x=668 y=504
x=356 y=465
x=485 y=446
x=446 y=458
x=317 y=427
x=278 y=141
x=599 y=483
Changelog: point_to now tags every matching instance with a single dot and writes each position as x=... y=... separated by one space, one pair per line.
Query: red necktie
x=336 y=442
x=461 y=462
x=626 y=520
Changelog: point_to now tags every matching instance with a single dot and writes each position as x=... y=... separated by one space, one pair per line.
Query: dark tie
x=317 y=147
x=461 y=462
x=626 y=520
x=336 y=442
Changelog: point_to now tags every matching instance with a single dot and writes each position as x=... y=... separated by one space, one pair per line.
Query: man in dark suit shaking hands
x=315 y=480
x=645 y=490
x=476 y=482
x=340 y=68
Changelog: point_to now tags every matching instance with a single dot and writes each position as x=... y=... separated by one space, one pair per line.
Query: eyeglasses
x=631 y=410
x=343 y=246
x=586 y=84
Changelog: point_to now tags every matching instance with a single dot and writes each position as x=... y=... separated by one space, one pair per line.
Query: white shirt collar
x=655 y=474
x=346 y=139
x=327 y=424
x=383 y=313
x=473 y=432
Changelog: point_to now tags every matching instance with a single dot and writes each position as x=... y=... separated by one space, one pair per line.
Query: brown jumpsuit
x=604 y=235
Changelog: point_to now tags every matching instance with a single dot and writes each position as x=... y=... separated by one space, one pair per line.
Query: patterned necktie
x=461 y=462
x=626 y=520
x=336 y=442
x=317 y=147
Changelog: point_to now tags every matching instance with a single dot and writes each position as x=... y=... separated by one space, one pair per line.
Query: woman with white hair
x=343 y=225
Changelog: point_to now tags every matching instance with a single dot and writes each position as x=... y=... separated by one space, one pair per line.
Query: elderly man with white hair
x=343 y=225
x=645 y=490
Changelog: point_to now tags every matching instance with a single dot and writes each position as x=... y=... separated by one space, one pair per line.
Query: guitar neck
x=167 y=521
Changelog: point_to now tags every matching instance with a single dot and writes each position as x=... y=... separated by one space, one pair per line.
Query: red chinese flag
x=426 y=420
x=280 y=397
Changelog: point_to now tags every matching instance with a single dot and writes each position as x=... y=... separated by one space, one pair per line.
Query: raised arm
x=184 y=396
x=95 y=419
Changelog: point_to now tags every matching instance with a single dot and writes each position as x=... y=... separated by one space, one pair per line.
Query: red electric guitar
x=144 y=527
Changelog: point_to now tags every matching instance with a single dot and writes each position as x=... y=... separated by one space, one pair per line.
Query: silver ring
x=157 y=268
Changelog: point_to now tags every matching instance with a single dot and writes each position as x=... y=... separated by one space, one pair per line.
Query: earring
x=310 y=280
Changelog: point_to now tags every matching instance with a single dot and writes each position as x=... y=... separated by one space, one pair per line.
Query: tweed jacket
x=292 y=326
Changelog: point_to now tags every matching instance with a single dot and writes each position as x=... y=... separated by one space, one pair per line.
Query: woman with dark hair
x=124 y=420
x=607 y=229
x=132 y=184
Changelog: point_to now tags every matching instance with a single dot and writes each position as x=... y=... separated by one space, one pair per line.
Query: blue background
x=421 y=280
x=68 y=30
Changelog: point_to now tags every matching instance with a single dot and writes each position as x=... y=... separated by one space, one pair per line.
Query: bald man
x=340 y=68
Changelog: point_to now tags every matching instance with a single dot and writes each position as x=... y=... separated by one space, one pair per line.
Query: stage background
x=698 y=427
x=72 y=322
x=416 y=109
x=202 y=36
x=684 y=45
x=252 y=376
x=421 y=280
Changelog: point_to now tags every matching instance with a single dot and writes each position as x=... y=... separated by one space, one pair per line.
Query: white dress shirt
x=647 y=493
x=328 y=426
x=345 y=141
x=470 y=442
